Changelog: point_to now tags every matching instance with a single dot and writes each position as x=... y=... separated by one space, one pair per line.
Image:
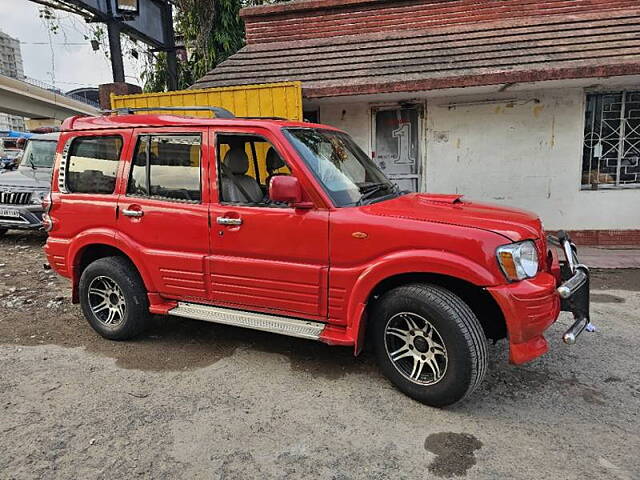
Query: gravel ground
x=198 y=400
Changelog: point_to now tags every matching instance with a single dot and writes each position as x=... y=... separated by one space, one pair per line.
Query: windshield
x=346 y=173
x=39 y=154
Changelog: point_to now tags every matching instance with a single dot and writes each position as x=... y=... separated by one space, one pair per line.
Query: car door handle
x=132 y=213
x=228 y=221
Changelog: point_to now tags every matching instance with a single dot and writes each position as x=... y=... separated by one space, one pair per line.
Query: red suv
x=290 y=228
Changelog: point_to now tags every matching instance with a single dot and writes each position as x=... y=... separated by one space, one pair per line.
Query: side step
x=292 y=327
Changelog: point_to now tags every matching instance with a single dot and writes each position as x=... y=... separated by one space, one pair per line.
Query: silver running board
x=292 y=327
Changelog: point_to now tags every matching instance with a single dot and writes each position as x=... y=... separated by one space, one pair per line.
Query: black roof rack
x=219 y=111
x=265 y=118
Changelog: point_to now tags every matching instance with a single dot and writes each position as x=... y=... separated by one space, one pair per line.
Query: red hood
x=512 y=223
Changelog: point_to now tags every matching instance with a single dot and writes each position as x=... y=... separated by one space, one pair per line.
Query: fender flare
x=409 y=262
x=104 y=236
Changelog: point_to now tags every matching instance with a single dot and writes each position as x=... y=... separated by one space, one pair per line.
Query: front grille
x=15 y=198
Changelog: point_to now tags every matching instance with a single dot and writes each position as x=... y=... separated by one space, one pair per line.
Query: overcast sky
x=70 y=61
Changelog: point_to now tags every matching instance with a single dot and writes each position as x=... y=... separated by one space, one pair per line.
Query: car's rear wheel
x=113 y=298
x=429 y=343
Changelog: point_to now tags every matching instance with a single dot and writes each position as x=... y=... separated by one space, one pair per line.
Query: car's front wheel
x=3 y=231
x=113 y=298
x=429 y=343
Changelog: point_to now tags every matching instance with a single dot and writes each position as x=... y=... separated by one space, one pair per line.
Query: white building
x=534 y=104
x=11 y=66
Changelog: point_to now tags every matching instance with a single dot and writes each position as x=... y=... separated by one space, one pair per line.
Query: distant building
x=10 y=66
x=530 y=103
x=88 y=95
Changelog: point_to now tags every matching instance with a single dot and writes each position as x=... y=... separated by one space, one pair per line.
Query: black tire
x=462 y=366
x=129 y=321
x=3 y=231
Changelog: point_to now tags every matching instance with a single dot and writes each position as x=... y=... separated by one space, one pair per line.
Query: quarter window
x=93 y=164
x=168 y=167
x=611 y=153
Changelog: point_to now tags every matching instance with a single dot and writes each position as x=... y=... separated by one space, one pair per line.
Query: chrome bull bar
x=574 y=290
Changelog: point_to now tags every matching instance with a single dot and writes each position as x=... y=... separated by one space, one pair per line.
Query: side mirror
x=286 y=189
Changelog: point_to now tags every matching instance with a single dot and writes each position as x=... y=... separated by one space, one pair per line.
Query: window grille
x=611 y=154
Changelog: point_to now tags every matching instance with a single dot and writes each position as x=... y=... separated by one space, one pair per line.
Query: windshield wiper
x=30 y=161
x=372 y=190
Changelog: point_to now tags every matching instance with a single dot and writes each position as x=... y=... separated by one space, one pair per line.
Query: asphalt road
x=197 y=400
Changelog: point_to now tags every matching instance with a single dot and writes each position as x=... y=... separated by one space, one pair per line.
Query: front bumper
x=574 y=289
x=531 y=306
x=30 y=217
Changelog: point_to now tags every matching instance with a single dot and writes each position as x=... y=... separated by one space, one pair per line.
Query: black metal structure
x=151 y=22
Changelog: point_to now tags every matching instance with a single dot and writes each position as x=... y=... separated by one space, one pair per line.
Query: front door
x=265 y=257
x=164 y=213
x=396 y=141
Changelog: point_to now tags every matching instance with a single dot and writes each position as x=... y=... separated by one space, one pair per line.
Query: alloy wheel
x=415 y=348
x=107 y=301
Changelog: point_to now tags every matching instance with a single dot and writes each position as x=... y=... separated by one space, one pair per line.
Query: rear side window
x=167 y=167
x=93 y=164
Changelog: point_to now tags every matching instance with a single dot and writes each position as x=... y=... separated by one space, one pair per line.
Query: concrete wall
x=526 y=153
x=354 y=118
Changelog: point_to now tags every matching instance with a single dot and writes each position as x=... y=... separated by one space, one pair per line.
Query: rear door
x=163 y=213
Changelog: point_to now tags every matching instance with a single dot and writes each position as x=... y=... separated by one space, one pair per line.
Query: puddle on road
x=528 y=382
x=606 y=298
x=616 y=279
x=455 y=453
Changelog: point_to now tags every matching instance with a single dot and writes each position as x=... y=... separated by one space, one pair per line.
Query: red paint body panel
x=529 y=308
x=512 y=223
x=320 y=263
x=172 y=238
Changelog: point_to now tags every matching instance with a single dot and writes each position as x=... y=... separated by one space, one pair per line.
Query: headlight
x=38 y=197
x=518 y=260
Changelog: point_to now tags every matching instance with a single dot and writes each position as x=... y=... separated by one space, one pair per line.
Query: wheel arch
x=479 y=299
x=95 y=248
x=463 y=277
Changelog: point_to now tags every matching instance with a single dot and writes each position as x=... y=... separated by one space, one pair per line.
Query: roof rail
x=263 y=118
x=219 y=111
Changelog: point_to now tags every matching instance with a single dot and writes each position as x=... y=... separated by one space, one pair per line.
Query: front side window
x=246 y=165
x=167 y=167
x=346 y=173
x=611 y=152
x=93 y=164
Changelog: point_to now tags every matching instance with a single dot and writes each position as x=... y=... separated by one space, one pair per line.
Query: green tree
x=212 y=31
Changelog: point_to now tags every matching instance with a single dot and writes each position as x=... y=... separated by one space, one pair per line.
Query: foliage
x=212 y=30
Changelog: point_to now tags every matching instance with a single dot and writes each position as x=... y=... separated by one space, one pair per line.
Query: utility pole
x=115 y=45
x=115 y=51
x=172 y=63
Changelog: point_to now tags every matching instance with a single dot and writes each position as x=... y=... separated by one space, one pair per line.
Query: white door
x=396 y=144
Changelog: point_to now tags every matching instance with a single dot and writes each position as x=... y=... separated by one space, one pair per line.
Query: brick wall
x=605 y=237
x=309 y=19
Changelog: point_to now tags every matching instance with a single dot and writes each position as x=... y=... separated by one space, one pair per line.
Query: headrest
x=274 y=161
x=237 y=160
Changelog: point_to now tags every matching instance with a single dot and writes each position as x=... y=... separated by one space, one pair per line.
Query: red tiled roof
x=526 y=49
x=309 y=19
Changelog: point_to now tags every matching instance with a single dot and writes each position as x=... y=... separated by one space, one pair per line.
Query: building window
x=611 y=154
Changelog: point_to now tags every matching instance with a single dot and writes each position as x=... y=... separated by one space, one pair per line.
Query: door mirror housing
x=286 y=189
